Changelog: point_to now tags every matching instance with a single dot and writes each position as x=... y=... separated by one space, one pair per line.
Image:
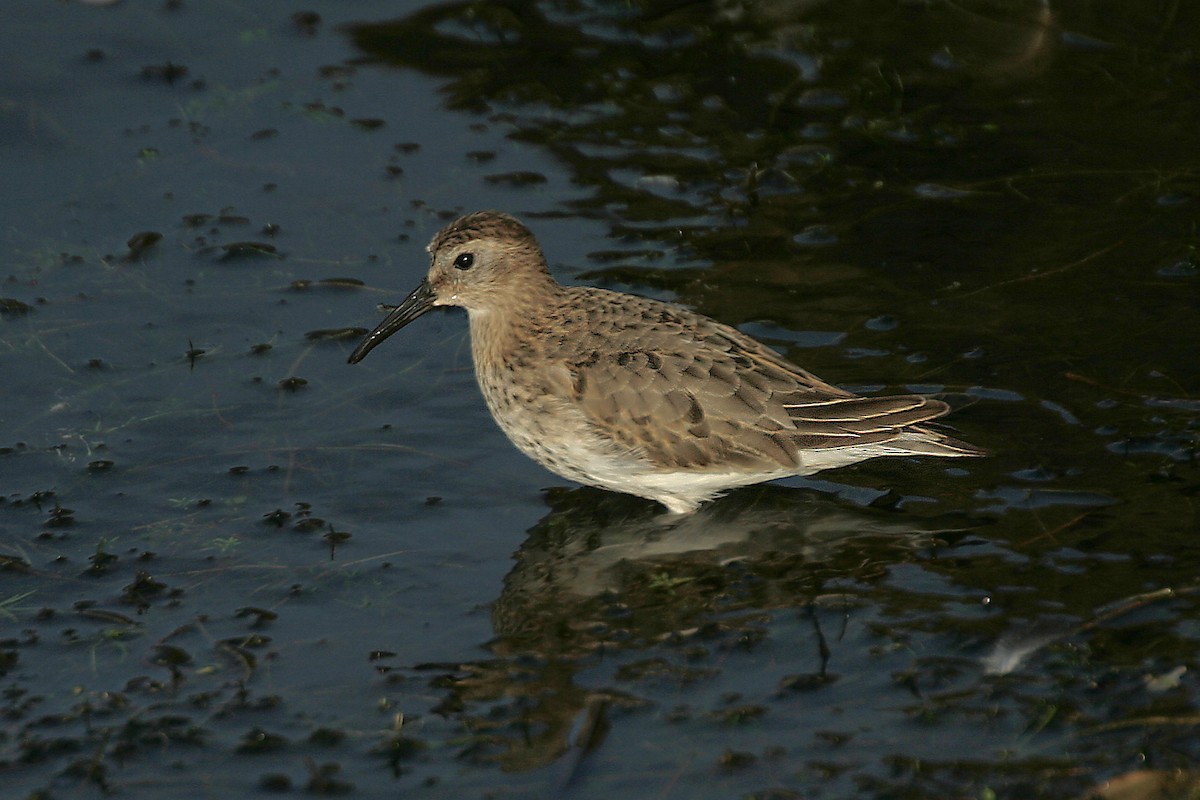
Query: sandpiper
x=640 y=396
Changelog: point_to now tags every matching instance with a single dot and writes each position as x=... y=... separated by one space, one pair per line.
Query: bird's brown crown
x=482 y=225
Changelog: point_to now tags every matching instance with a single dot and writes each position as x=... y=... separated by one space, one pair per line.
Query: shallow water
x=230 y=563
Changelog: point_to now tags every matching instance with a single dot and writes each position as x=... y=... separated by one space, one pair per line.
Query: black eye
x=464 y=261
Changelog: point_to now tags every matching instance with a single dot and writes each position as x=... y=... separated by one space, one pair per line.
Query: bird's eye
x=464 y=261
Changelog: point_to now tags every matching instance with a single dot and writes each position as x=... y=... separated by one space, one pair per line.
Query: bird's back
x=689 y=393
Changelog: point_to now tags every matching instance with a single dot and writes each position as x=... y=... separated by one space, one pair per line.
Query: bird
x=641 y=396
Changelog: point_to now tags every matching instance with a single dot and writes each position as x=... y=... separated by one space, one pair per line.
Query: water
x=231 y=563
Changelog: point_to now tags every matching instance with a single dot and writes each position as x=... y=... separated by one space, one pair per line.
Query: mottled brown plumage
x=640 y=396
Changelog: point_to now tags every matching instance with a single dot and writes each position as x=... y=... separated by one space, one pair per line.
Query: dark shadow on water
x=595 y=542
x=609 y=579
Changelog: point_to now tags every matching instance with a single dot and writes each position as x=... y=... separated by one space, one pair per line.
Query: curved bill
x=416 y=304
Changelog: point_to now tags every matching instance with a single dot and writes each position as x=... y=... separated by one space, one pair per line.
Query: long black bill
x=416 y=304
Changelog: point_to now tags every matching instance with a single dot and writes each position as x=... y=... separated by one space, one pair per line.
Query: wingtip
x=942 y=445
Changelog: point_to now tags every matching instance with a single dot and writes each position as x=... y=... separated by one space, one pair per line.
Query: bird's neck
x=511 y=331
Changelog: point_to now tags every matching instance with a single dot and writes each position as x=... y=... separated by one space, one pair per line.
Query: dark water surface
x=232 y=565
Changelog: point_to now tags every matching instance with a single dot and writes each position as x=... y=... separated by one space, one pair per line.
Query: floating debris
x=261 y=615
x=100 y=615
x=100 y=561
x=13 y=564
x=236 y=250
x=60 y=517
x=143 y=587
x=320 y=109
x=168 y=655
x=139 y=243
x=519 y=178
x=335 y=334
x=308 y=524
x=307 y=22
x=333 y=538
x=816 y=236
x=937 y=191
x=247 y=659
x=14 y=307
x=193 y=353
x=169 y=72
x=196 y=220
x=293 y=384
x=259 y=741
x=302 y=284
x=249 y=640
